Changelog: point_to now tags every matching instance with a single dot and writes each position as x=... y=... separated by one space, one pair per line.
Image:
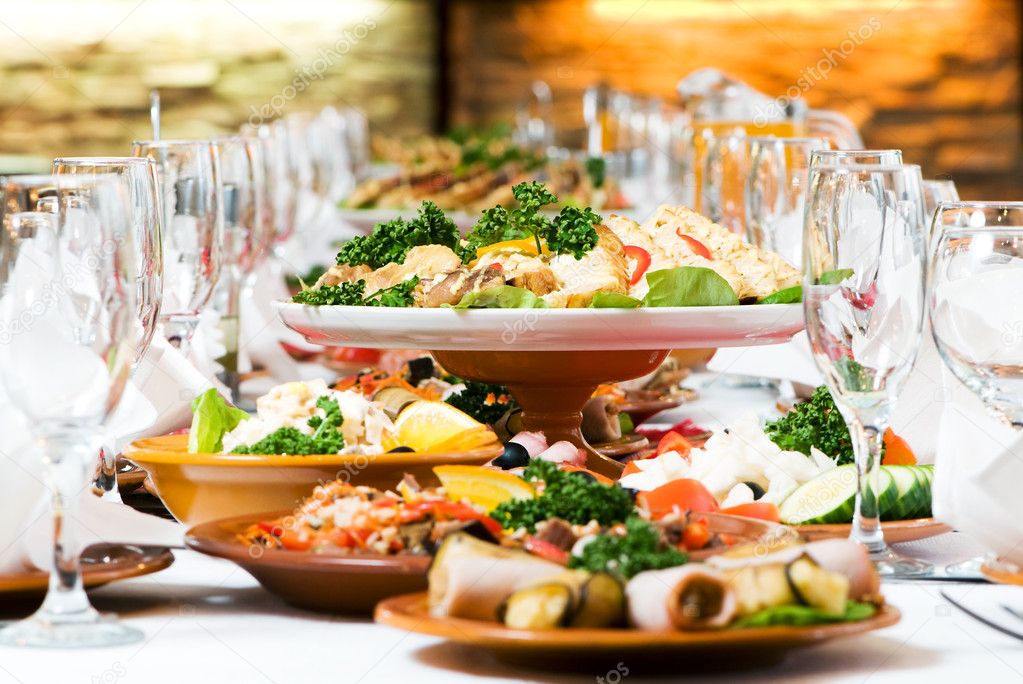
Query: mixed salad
x=526 y=258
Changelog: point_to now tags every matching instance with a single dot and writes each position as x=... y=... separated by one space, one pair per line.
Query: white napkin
x=978 y=473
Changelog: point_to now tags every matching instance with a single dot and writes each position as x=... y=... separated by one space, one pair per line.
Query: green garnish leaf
x=399 y=295
x=486 y=403
x=641 y=548
x=596 y=169
x=500 y=297
x=345 y=294
x=815 y=422
x=212 y=418
x=569 y=496
x=790 y=295
x=613 y=300
x=326 y=438
x=688 y=286
x=834 y=277
x=390 y=242
x=798 y=616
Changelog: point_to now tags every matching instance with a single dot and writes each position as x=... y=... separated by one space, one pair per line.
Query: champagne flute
x=863 y=256
x=138 y=174
x=192 y=220
x=776 y=193
x=245 y=241
x=69 y=317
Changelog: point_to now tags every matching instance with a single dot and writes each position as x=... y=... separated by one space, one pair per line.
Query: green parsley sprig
x=815 y=422
x=640 y=548
x=326 y=438
x=390 y=242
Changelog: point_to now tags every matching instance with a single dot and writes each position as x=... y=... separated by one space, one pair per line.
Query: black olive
x=514 y=456
x=758 y=491
x=419 y=369
x=631 y=492
x=401 y=450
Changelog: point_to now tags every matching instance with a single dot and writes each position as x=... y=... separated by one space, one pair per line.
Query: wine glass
x=776 y=193
x=138 y=174
x=976 y=269
x=938 y=191
x=863 y=257
x=246 y=239
x=69 y=318
x=191 y=201
x=825 y=156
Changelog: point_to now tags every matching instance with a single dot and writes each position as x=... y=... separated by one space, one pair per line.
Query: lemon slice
x=466 y=441
x=422 y=425
x=482 y=486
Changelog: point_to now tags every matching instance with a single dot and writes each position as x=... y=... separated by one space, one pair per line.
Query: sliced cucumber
x=925 y=474
x=910 y=492
x=828 y=498
x=888 y=493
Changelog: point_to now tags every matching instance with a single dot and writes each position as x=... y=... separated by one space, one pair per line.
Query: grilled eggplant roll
x=574 y=598
x=687 y=597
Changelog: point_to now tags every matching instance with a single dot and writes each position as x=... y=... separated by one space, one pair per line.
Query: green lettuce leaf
x=613 y=300
x=688 y=286
x=790 y=295
x=804 y=615
x=834 y=277
x=212 y=417
x=500 y=297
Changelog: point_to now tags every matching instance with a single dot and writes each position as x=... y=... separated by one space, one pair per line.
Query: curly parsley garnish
x=566 y=495
x=815 y=422
x=391 y=241
x=640 y=548
x=353 y=294
x=326 y=437
x=486 y=403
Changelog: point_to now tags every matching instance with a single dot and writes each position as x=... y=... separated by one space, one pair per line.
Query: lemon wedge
x=424 y=425
x=482 y=486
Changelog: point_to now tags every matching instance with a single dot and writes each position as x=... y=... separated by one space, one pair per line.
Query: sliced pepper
x=642 y=258
x=698 y=247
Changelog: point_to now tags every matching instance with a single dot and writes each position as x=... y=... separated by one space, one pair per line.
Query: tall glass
x=975 y=277
x=138 y=175
x=776 y=193
x=69 y=318
x=938 y=191
x=863 y=257
x=820 y=157
x=191 y=200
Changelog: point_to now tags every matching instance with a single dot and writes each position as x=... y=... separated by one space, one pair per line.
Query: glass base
x=891 y=565
x=88 y=629
x=967 y=568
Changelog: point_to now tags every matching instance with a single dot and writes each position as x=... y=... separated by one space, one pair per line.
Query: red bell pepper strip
x=642 y=258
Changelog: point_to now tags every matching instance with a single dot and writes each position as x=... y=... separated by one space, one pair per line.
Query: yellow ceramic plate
x=201 y=487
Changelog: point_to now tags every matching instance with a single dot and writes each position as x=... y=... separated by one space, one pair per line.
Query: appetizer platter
x=550 y=307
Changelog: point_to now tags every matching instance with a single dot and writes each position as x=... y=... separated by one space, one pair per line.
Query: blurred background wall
x=938 y=78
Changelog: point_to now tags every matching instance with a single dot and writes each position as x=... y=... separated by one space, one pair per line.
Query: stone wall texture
x=938 y=78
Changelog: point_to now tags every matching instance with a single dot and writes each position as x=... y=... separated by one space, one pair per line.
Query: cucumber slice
x=828 y=498
x=925 y=474
x=888 y=493
x=910 y=492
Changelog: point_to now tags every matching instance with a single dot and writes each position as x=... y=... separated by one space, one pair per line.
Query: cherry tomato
x=677 y=495
x=698 y=247
x=756 y=509
x=695 y=536
x=673 y=441
x=642 y=258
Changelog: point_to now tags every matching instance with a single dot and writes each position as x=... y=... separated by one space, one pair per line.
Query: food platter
x=543 y=329
x=318 y=582
x=895 y=532
x=560 y=648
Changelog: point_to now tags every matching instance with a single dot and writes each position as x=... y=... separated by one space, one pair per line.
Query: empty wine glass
x=68 y=319
x=191 y=202
x=138 y=174
x=863 y=256
x=246 y=239
x=776 y=193
x=824 y=156
x=938 y=191
x=976 y=271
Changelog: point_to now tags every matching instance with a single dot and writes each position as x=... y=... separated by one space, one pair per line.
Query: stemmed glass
x=138 y=175
x=191 y=201
x=69 y=318
x=938 y=191
x=246 y=239
x=863 y=256
x=776 y=193
x=824 y=156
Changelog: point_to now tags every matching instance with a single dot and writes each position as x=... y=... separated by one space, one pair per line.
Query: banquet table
x=205 y=619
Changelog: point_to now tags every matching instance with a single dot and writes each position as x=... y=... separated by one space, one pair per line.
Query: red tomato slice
x=698 y=247
x=546 y=550
x=755 y=509
x=355 y=355
x=681 y=495
x=642 y=258
x=673 y=441
x=295 y=540
x=695 y=536
x=897 y=450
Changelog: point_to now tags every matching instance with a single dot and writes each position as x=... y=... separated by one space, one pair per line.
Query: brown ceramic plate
x=319 y=582
x=682 y=651
x=101 y=563
x=628 y=444
x=198 y=488
x=1002 y=572
x=895 y=532
x=641 y=409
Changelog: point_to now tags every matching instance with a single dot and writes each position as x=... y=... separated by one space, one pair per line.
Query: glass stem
x=67 y=456
x=866 y=527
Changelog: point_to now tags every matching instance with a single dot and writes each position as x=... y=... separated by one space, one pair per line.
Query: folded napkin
x=978 y=472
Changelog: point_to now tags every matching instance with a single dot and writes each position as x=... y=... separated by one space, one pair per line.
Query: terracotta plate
x=101 y=563
x=629 y=444
x=895 y=532
x=1002 y=572
x=594 y=649
x=319 y=582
